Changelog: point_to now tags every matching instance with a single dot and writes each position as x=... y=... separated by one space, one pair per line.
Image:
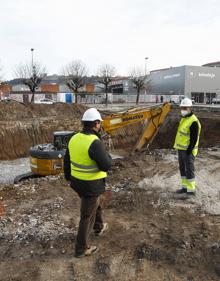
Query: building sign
x=172 y=76
x=208 y=75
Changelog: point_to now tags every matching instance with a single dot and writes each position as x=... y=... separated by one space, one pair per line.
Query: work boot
x=181 y=190
x=191 y=193
x=88 y=252
x=104 y=229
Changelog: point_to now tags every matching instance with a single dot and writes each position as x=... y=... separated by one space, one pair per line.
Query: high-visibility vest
x=182 y=140
x=82 y=166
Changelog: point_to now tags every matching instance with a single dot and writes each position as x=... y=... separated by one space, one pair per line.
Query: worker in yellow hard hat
x=187 y=142
x=85 y=165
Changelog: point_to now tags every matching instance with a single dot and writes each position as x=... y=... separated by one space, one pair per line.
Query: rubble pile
x=41 y=225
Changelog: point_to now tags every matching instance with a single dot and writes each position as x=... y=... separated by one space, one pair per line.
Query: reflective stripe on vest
x=82 y=166
x=185 y=134
x=182 y=140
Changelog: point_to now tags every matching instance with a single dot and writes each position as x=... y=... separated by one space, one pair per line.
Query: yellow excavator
x=134 y=129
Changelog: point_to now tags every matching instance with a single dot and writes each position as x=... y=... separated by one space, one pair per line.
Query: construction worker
x=186 y=142
x=85 y=165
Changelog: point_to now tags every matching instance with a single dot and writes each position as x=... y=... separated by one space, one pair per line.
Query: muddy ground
x=153 y=234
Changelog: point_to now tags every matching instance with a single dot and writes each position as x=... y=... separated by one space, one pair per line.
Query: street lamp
x=145 y=66
x=32 y=61
x=32 y=57
x=145 y=73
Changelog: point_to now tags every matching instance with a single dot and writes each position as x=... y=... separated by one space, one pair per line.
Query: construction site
x=153 y=235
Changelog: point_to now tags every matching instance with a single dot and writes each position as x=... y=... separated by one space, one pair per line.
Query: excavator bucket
x=135 y=128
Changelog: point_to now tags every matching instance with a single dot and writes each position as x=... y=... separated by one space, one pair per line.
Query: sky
x=119 y=32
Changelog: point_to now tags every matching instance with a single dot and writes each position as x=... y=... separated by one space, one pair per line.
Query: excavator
x=134 y=129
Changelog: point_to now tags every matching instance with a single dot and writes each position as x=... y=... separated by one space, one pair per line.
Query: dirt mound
x=152 y=235
x=13 y=110
x=22 y=126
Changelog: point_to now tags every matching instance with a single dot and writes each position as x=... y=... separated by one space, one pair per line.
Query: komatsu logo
x=132 y=118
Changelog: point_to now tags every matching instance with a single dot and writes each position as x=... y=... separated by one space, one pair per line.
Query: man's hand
x=189 y=151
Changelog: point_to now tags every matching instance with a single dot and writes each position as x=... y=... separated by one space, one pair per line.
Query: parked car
x=44 y=101
x=215 y=101
x=173 y=102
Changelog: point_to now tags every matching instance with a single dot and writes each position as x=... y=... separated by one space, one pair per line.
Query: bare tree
x=106 y=73
x=138 y=78
x=1 y=81
x=75 y=76
x=31 y=76
x=1 y=75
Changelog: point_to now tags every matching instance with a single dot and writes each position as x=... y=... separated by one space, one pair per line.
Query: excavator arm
x=149 y=118
x=130 y=129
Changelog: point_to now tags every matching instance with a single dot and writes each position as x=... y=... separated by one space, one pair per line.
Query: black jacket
x=194 y=131
x=98 y=153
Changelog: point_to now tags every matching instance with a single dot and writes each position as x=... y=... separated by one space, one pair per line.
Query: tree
x=1 y=76
x=106 y=72
x=138 y=78
x=75 y=76
x=31 y=76
x=1 y=81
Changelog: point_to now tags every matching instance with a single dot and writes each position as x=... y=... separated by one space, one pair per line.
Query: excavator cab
x=61 y=139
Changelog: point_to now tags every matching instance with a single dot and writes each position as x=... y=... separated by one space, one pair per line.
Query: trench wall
x=22 y=127
x=210 y=132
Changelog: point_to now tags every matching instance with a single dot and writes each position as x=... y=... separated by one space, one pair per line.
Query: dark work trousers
x=186 y=165
x=90 y=218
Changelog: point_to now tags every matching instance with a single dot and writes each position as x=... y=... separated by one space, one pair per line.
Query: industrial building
x=201 y=83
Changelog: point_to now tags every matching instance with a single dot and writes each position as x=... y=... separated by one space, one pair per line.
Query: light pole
x=32 y=58
x=32 y=61
x=145 y=66
x=145 y=73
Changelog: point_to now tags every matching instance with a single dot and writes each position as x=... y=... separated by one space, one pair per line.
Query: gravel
x=11 y=169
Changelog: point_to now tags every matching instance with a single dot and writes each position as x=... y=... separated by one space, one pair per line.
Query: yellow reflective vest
x=82 y=166
x=182 y=140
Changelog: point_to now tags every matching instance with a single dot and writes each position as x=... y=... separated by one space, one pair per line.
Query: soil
x=153 y=233
x=23 y=126
x=210 y=133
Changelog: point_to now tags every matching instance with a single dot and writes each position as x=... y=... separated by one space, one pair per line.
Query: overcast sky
x=119 y=32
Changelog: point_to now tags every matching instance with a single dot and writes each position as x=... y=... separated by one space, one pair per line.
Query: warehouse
x=201 y=83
